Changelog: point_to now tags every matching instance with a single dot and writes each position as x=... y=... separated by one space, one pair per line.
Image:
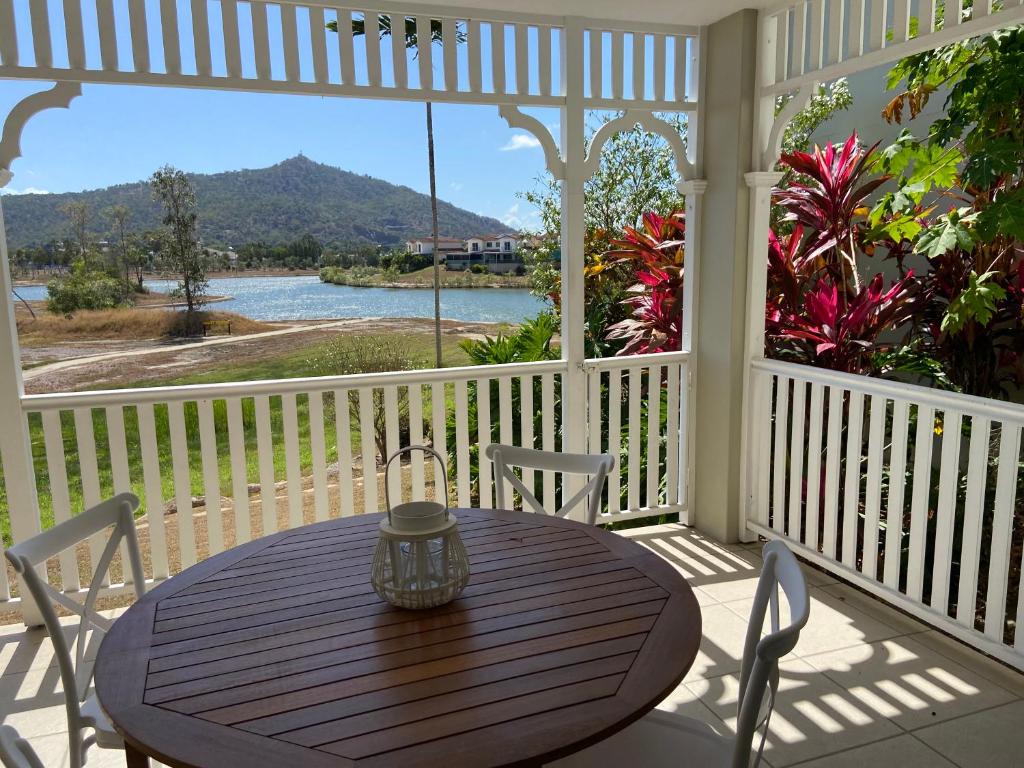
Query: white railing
x=820 y=40
x=286 y=46
x=912 y=493
x=217 y=465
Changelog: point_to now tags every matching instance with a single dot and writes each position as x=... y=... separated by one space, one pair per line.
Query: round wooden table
x=279 y=653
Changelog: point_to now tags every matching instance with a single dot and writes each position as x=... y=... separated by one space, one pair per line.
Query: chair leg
x=134 y=758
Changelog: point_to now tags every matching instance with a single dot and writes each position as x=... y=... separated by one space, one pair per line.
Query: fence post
x=15 y=444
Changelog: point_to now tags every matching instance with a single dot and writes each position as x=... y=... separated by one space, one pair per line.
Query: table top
x=279 y=653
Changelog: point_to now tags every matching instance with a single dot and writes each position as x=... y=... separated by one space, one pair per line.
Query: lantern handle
x=410 y=449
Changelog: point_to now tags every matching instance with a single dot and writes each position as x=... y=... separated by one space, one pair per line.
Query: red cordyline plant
x=828 y=197
x=656 y=255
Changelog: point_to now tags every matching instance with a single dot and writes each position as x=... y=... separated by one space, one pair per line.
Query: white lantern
x=420 y=561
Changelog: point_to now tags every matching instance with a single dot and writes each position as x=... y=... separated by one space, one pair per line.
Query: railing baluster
x=813 y=467
x=796 y=460
x=449 y=43
x=877 y=25
x=367 y=445
x=416 y=438
x=483 y=413
x=439 y=407
x=149 y=447
x=424 y=52
x=90 y=474
x=974 y=511
x=290 y=41
x=120 y=474
x=526 y=422
x=171 y=39
x=520 y=32
x=139 y=30
x=816 y=9
x=1002 y=532
x=547 y=406
x=672 y=436
x=292 y=467
x=639 y=61
x=505 y=424
x=594 y=416
x=681 y=66
x=265 y=460
x=659 y=68
x=60 y=500
x=371 y=34
x=201 y=35
x=618 y=63
x=182 y=482
x=596 y=37
x=919 y=501
x=346 y=48
x=894 y=503
x=901 y=20
x=833 y=446
x=615 y=438
x=8 y=35
x=399 y=52
x=343 y=436
x=73 y=33
x=211 y=476
x=764 y=432
x=952 y=13
x=473 y=33
x=949 y=479
x=42 y=45
x=851 y=497
x=463 y=480
x=797 y=64
x=108 y=34
x=391 y=431
x=836 y=16
x=318 y=43
x=232 y=44
x=239 y=471
x=779 y=454
x=653 y=432
x=855 y=30
x=633 y=475
x=261 y=40
x=873 y=488
x=544 y=60
x=498 y=56
x=318 y=454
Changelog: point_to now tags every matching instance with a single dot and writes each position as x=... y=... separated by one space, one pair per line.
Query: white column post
x=574 y=384
x=761 y=184
x=15 y=445
x=694 y=192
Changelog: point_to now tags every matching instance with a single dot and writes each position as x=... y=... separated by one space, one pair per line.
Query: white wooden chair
x=15 y=752
x=507 y=457
x=666 y=739
x=83 y=710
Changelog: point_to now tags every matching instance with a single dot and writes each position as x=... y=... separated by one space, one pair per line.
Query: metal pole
x=437 y=254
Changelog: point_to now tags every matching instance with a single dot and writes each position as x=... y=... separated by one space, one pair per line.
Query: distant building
x=425 y=245
x=499 y=253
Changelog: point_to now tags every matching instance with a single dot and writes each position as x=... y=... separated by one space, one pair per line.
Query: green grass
x=293 y=364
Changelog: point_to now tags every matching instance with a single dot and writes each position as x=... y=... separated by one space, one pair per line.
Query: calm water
x=306 y=298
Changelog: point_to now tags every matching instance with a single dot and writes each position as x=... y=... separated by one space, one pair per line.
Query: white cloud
x=521 y=141
x=457 y=186
x=25 y=191
x=518 y=219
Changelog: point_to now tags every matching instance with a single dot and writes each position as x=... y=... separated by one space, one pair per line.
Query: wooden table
x=278 y=652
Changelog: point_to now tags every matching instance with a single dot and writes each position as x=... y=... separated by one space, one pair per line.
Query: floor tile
x=907 y=682
x=865 y=603
x=721 y=646
x=903 y=751
x=982 y=740
x=992 y=670
x=813 y=715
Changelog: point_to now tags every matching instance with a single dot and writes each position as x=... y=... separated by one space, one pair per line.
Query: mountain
x=276 y=205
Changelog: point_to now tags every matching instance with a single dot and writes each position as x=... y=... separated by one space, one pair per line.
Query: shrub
x=83 y=289
x=479 y=269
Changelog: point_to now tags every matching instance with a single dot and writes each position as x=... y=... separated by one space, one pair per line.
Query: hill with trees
x=275 y=206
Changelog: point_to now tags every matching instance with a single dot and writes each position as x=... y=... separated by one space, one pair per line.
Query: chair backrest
x=15 y=752
x=507 y=457
x=759 y=672
x=29 y=558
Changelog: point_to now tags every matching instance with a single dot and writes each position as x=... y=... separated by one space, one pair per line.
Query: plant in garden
x=655 y=257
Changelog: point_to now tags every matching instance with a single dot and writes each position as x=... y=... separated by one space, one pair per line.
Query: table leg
x=134 y=758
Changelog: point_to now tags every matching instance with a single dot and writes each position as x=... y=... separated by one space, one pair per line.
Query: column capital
x=692 y=187
x=761 y=179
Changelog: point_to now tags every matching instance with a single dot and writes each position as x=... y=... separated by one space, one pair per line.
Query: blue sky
x=114 y=134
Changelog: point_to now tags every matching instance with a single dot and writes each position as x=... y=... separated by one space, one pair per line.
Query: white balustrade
x=910 y=492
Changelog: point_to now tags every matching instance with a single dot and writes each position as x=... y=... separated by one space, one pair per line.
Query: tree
x=172 y=188
x=118 y=216
x=78 y=220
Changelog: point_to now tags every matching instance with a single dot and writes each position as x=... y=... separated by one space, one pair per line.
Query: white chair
x=506 y=457
x=666 y=739
x=15 y=752
x=83 y=710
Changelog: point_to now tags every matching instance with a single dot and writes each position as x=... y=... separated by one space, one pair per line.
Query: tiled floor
x=866 y=686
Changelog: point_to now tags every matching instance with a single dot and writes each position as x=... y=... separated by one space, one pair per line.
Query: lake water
x=306 y=298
